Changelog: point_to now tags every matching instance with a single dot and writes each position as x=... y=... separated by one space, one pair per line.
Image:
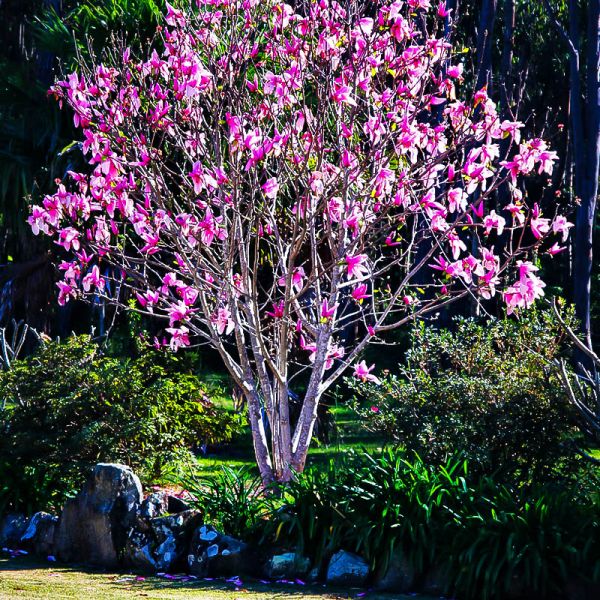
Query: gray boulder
x=172 y=535
x=347 y=569
x=138 y=551
x=436 y=581
x=94 y=526
x=12 y=528
x=40 y=534
x=157 y=505
x=212 y=553
x=154 y=505
x=400 y=575
x=162 y=544
x=288 y=565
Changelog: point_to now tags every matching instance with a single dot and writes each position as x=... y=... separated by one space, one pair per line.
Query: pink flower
x=179 y=337
x=362 y=372
x=65 y=292
x=539 y=225
x=343 y=95
x=562 y=226
x=356 y=266
x=360 y=292
x=278 y=310
x=457 y=200
x=555 y=249
x=93 y=279
x=222 y=321
x=526 y=290
x=201 y=179
x=374 y=409
x=492 y=221
x=178 y=312
x=327 y=312
x=68 y=238
x=297 y=279
x=270 y=188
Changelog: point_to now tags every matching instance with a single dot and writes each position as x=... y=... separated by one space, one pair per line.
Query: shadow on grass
x=30 y=578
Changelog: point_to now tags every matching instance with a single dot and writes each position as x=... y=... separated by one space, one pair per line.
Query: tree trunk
x=259 y=438
x=585 y=122
x=484 y=43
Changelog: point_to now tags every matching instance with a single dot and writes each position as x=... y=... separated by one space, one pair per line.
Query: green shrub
x=69 y=407
x=308 y=513
x=486 y=390
x=488 y=540
x=231 y=500
x=508 y=543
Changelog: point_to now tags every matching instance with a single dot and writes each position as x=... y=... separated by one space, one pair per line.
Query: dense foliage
x=68 y=407
x=476 y=538
x=230 y=499
x=490 y=390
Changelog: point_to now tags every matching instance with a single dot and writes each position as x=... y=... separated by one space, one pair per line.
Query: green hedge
x=68 y=406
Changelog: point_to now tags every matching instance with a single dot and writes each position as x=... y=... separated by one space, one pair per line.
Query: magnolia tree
x=288 y=184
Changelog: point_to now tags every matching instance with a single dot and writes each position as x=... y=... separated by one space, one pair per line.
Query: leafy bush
x=531 y=545
x=308 y=515
x=69 y=407
x=232 y=500
x=488 y=390
x=371 y=504
x=486 y=539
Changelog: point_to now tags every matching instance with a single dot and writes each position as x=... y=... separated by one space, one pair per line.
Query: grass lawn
x=348 y=434
x=27 y=578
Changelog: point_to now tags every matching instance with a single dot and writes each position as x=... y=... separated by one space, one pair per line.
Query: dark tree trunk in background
x=506 y=82
x=585 y=118
x=485 y=33
x=584 y=99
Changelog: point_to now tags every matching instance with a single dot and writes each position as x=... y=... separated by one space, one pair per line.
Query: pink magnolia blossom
x=270 y=188
x=362 y=372
x=526 y=290
x=560 y=225
x=93 y=280
x=278 y=310
x=222 y=321
x=327 y=311
x=179 y=337
x=539 y=225
x=555 y=249
x=356 y=265
x=360 y=292
x=494 y=221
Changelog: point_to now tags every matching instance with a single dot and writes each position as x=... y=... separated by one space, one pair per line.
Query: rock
x=40 y=534
x=155 y=505
x=173 y=534
x=436 y=581
x=215 y=554
x=162 y=544
x=94 y=526
x=313 y=575
x=176 y=505
x=400 y=575
x=347 y=569
x=12 y=528
x=138 y=551
x=286 y=566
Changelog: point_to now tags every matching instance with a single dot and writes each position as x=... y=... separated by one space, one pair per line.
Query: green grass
x=348 y=435
x=29 y=579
